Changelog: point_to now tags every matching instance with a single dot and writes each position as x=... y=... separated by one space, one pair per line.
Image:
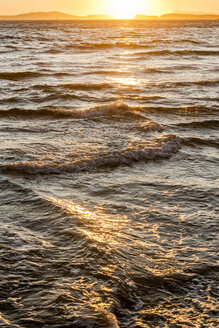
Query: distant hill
x=52 y=15
x=98 y=17
x=146 y=17
x=56 y=15
x=189 y=17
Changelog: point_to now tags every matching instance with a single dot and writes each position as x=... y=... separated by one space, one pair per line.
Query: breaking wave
x=113 y=109
x=151 y=126
x=158 y=148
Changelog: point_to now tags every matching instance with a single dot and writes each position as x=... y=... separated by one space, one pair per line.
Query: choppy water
x=108 y=174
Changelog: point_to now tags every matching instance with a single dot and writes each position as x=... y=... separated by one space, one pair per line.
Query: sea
x=108 y=174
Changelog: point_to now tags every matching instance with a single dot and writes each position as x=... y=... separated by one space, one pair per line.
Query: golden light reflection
x=3 y=320
x=101 y=224
x=108 y=230
x=129 y=81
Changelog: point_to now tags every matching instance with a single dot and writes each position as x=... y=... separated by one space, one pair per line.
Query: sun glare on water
x=125 y=9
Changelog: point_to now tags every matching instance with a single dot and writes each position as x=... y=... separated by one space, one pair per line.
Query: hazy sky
x=83 y=7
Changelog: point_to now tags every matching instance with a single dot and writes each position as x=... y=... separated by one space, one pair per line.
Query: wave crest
x=117 y=108
x=151 y=126
x=158 y=148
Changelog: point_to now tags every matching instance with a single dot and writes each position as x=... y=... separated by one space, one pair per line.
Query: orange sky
x=111 y=7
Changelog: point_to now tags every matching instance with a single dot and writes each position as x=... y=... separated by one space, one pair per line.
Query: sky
x=116 y=8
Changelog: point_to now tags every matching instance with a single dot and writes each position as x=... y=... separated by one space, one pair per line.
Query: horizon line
x=176 y=12
x=110 y=16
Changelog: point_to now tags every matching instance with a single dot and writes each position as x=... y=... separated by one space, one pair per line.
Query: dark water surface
x=108 y=174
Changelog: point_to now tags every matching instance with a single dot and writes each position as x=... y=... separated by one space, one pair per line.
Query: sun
x=125 y=9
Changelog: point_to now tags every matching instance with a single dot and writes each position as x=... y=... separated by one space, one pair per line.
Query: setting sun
x=125 y=9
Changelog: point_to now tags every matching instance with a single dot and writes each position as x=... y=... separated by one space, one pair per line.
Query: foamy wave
x=158 y=148
x=117 y=108
x=111 y=110
x=151 y=126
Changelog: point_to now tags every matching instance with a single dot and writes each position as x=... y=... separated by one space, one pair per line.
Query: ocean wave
x=154 y=70
x=16 y=76
x=11 y=100
x=151 y=126
x=165 y=52
x=118 y=108
x=199 y=83
x=53 y=51
x=86 y=86
x=158 y=148
x=73 y=86
x=106 y=72
x=98 y=46
x=175 y=41
x=195 y=141
x=90 y=45
x=111 y=111
x=182 y=110
x=178 y=84
x=136 y=45
x=207 y=124
x=60 y=74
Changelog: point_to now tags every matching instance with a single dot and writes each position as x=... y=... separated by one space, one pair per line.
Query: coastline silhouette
x=56 y=15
